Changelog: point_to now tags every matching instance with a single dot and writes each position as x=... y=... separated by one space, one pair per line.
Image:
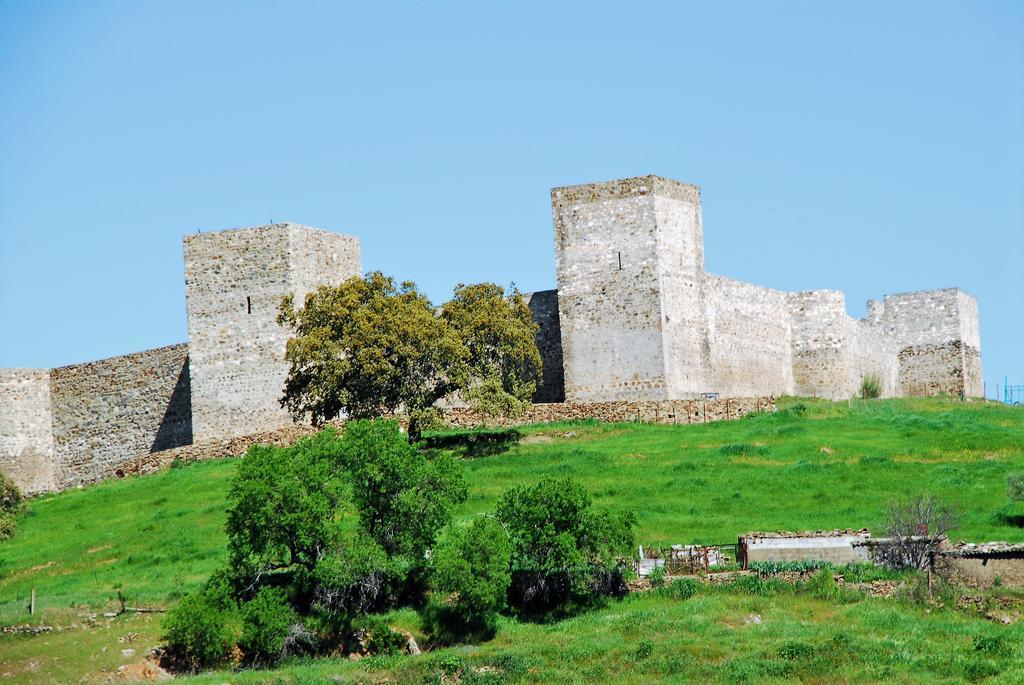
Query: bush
x=353 y=578
x=471 y=578
x=266 y=623
x=565 y=552
x=375 y=636
x=823 y=585
x=1015 y=486
x=12 y=503
x=284 y=505
x=870 y=387
x=793 y=650
x=404 y=499
x=200 y=632
x=657 y=576
x=683 y=588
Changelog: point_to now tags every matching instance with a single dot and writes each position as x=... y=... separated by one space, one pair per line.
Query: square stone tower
x=630 y=263
x=234 y=282
x=937 y=334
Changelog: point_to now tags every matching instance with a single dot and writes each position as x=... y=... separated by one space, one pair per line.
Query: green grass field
x=811 y=465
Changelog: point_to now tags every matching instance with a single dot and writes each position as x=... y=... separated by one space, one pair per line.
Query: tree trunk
x=415 y=434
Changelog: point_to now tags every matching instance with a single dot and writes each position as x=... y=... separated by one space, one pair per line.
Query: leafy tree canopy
x=404 y=499
x=369 y=347
x=564 y=549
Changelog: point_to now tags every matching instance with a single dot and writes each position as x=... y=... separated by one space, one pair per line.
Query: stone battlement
x=635 y=326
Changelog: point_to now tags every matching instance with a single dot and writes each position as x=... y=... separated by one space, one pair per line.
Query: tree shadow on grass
x=1010 y=515
x=474 y=444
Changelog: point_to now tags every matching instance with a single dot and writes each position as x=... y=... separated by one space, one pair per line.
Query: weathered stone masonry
x=636 y=330
x=641 y=319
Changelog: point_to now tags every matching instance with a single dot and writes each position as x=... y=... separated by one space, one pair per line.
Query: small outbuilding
x=982 y=564
x=834 y=546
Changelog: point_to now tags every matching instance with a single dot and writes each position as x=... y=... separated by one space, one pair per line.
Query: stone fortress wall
x=636 y=328
x=234 y=282
x=641 y=319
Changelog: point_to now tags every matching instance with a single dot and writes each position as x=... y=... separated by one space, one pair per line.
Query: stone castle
x=634 y=318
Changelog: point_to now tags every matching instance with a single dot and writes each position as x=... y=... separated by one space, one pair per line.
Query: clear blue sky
x=872 y=148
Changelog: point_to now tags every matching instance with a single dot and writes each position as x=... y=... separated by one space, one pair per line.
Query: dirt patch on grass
x=537 y=440
x=98 y=548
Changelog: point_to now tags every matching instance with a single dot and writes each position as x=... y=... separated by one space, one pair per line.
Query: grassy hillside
x=811 y=465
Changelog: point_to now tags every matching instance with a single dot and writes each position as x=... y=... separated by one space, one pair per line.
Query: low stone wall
x=982 y=572
x=668 y=412
x=664 y=411
x=152 y=462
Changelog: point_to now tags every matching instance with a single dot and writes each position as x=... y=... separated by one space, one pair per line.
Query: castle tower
x=630 y=262
x=234 y=282
x=937 y=335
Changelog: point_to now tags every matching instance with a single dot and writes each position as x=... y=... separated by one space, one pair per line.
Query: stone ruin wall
x=234 y=282
x=936 y=332
x=833 y=352
x=544 y=309
x=26 y=429
x=669 y=412
x=107 y=413
x=674 y=412
x=750 y=331
x=635 y=320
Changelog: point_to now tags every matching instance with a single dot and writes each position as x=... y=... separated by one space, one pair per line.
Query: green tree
x=370 y=348
x=470 y=574
x=403 y=498
x=499 y=335
x=266 y=621
x=201 y=630
x=565 y=551
x=285 y=505
x=12 y=502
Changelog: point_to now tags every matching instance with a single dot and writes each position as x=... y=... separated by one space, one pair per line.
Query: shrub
x=471 y=577
x=823 y=585
x=870 y=387
x=798 y=409
x=266 y=623
x=741 y=448
x=200 y=632
x=993 y=645
x=404 y=499
x=284 y=505
x=375 y=636
x=355 y=577
x=12 y=503
x=657 y=576
x=564 y=551
x=1015 y=486
x=683 y=588
x=793 y=650
x=917 y=526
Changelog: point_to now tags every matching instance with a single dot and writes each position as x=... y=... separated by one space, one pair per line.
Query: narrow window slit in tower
x=248 y=304
x=620 y=260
